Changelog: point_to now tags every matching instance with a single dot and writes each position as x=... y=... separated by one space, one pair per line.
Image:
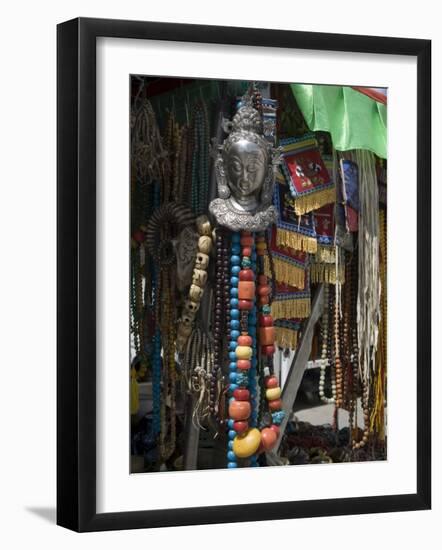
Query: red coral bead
x=268 y=350
x=275 y=405
x=271 y=382
x=263 y=280
x=246 y=241
x=246 y=275
x=241 y=394
x=263 y=290
x=263 y=300
x=243 y=364
x=240 y=426
x=244 y=340
x=268 y=438
x=245 y=304
x=275 y=428
x=247 y=251
x=265 y=320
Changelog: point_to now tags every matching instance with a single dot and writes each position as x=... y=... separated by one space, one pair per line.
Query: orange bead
x=275 y=405
x=275 y=428
x=266 y=336
x=246 y=290
x=263 y=300
x=246 y=241
x=243 y=364
x=244 y=340
x=268 y=438
x=263 y=290
x=239 y=410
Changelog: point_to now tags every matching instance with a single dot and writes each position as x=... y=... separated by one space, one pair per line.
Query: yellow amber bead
x=246 y=445
x=243 y=352
x=273 y=393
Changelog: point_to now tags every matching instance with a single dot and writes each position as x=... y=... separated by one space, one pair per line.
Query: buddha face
x=246 y=164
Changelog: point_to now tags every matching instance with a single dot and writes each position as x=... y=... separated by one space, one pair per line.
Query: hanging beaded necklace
x=325 y=347
x=200 y=158
x=245 y=439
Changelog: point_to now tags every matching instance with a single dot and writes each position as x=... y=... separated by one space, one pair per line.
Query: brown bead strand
x=338 y=363
x=365 y=386
x=330 y=353
x=190 y=144
x=218 y=325
x=353 y=381
x=226 y=307
x=345 y=339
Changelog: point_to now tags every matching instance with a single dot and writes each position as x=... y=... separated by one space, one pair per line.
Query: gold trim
x=285 y=272
x=286 y=337
x=297 y=241
x=291 y=308
x=325 y=254
x=326 y=273
x=314 y=200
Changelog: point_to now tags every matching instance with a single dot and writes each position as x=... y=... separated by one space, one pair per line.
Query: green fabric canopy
x=354 y=120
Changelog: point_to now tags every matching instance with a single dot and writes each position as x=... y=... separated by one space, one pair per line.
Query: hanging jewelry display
x=212 y=300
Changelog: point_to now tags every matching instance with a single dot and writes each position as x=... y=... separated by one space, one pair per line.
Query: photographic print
x=223 y=286
x=258 y=258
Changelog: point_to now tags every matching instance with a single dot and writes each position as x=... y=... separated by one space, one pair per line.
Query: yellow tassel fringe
x=326 y=273
x=286 y=337
x=297 y=241
x=325 y=254
x=291 y=308
x=313 y=201
x=285 y=272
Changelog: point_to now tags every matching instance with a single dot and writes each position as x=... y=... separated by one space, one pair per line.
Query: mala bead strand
x=349 y=282
x=218 y=321
x=156 y=383
x=324 y=347
x=366 y=413
x=338 y=364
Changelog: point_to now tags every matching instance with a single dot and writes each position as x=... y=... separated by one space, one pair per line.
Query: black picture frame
x=76 y=273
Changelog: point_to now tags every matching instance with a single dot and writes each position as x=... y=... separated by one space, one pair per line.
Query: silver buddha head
x=245 y=172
